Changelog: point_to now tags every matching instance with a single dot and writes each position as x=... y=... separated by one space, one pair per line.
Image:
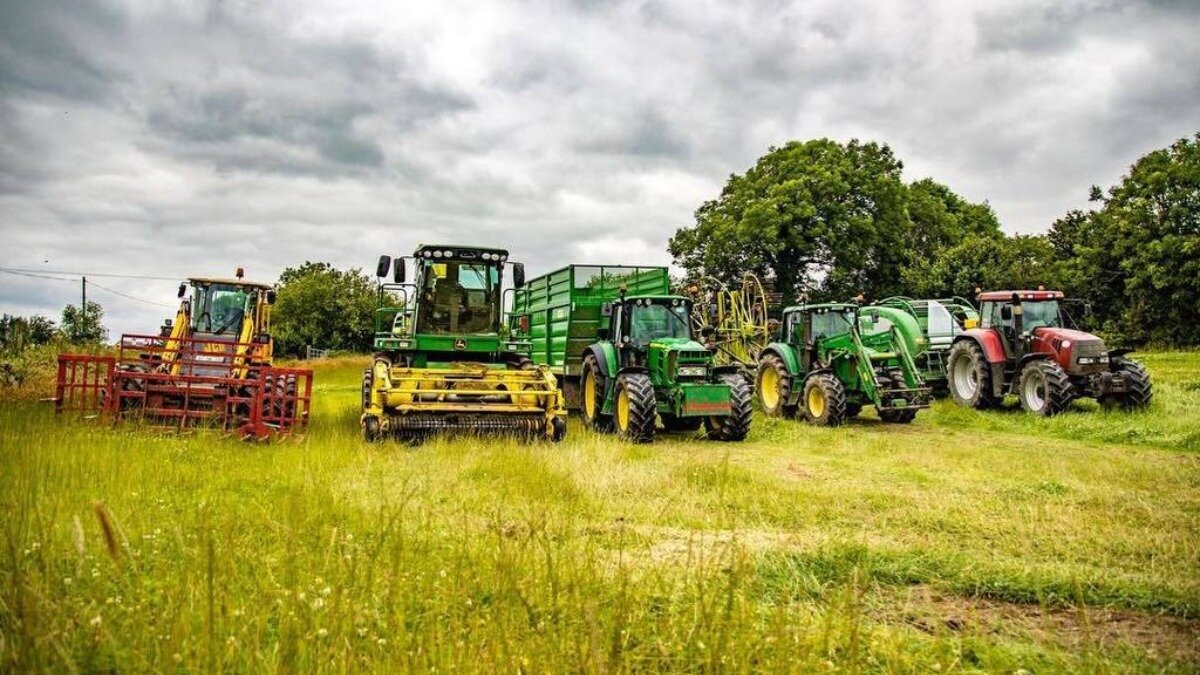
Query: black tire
x=832 y=394
x=773 y=369
x=368 y=383
x=558 y=429
x=969 y=376
x=521 y=363
x=1044 y=388
x=673 y=423
x=635 y=393
x=594 y=418
x=736 y=425
x=1139 y=389
x=371 y=429
x=903 y=416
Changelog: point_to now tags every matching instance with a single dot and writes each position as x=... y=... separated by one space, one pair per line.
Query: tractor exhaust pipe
x=1018 y=326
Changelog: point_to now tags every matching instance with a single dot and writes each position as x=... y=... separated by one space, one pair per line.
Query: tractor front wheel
x=1138 y=388
x=1044 y=388
x=774 y=386
x=736 y=425
x=969 y=376
x=635 y=407
x=591 y=394
x=824 y=400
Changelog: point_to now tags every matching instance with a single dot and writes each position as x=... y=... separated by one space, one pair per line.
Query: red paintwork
x=989 y=340
x=1004 y=296
x=1045 y=337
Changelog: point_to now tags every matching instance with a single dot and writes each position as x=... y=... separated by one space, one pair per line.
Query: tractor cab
x=640 y=320
x=223 y=325
x=809 y=326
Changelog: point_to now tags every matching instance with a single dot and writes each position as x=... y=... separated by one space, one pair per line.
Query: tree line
x=834 y=220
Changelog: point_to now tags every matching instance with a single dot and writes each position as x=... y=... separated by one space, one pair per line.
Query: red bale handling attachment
x=186 y=382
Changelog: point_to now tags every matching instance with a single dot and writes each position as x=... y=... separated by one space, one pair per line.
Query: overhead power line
x=18 y=270
x=131 y=297
x=25 y=273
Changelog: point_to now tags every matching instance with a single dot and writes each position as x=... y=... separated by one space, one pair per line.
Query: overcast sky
x=186 y=138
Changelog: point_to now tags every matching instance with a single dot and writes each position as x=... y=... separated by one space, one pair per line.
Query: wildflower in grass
x=321 y=632
x=96 y=620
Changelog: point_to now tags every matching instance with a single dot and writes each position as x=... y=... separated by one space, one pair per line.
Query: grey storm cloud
x=186 y=137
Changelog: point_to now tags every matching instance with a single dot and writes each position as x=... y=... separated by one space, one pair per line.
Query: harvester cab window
x=219 y=308
x=653 y=321
x=458 y=298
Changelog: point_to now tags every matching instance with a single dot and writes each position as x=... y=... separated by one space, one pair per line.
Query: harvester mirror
x=182 y=290
x=1006 y=312
x=271 y=296
x=398 y=274
x=519 y=275
x=385 y=264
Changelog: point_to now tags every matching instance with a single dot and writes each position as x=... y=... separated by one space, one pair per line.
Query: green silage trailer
x=622 y=348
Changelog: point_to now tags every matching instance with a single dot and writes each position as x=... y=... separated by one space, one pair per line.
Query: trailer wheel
x=1044 y=388
x=591 y=394
x=673 y=423
x=969 y=376
x=1138 y=388
x=773 y=385
x=635 y=407
x=824 y=400
x=736 y=425
x=903 y=416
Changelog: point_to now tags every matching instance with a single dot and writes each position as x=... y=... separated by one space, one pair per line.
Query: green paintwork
x=939 y=321
x=571 y=310
x=856 y=344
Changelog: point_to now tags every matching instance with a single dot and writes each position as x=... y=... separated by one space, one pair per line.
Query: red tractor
x=1023 y=346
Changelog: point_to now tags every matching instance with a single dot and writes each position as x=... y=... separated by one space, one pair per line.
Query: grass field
x=965 y=542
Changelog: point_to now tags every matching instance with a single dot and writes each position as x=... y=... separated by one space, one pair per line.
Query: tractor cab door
x=998 y=316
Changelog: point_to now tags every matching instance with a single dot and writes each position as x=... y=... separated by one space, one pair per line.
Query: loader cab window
x=459 y=298
x=219 y=309
x=652 y=321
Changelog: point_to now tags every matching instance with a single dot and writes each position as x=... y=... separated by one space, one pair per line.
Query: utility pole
x=83 y=302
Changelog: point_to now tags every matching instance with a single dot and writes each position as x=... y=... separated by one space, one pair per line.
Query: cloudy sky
x=170 y=138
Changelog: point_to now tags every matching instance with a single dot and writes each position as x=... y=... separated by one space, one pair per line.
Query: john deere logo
x=460 y=344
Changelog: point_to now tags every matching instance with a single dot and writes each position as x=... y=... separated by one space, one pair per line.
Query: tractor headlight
x=1092 y=360
x=403 y=344
x=692 y=371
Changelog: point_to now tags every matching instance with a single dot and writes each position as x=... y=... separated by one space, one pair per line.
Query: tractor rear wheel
x=903 y=416
x=1138 y=388
x=735 y=425
x=635 y=407
x=969 y=376
x=591 y=394
x=673 y=423
x=824 y=400
x=774 y=386
x=1044 y=388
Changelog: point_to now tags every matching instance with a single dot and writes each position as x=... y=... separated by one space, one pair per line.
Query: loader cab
x=219 y=307
x=807 y=326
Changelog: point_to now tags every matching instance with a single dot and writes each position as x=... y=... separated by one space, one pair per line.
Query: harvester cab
x=212 y=365
x=445 y=359
x=833 y=359
x=1028 y=345
x=647 y=365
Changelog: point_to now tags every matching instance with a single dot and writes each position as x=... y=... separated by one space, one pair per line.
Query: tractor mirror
x=385 y=264
x=519 y=275
x=1006 y=312
x=606 y=309
x=182 y=290
x=271 y=296
x=398 y=275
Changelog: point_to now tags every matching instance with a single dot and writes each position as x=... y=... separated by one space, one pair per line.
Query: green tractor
x=833 y=359
x=445 y=361
x=632 y=354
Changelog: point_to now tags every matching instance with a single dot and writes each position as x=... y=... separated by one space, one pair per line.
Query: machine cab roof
x=1004 y=296
x=454 y=251
x=203 y=281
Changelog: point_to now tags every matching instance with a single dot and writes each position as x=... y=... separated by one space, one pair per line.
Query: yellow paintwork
x=769 y=388
x=623 y=410
x=816 y=402
x=398 y=390
x=256 y=321
x=589 y=395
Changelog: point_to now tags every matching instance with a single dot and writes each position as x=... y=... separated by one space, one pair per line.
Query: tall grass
x=967 y=541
